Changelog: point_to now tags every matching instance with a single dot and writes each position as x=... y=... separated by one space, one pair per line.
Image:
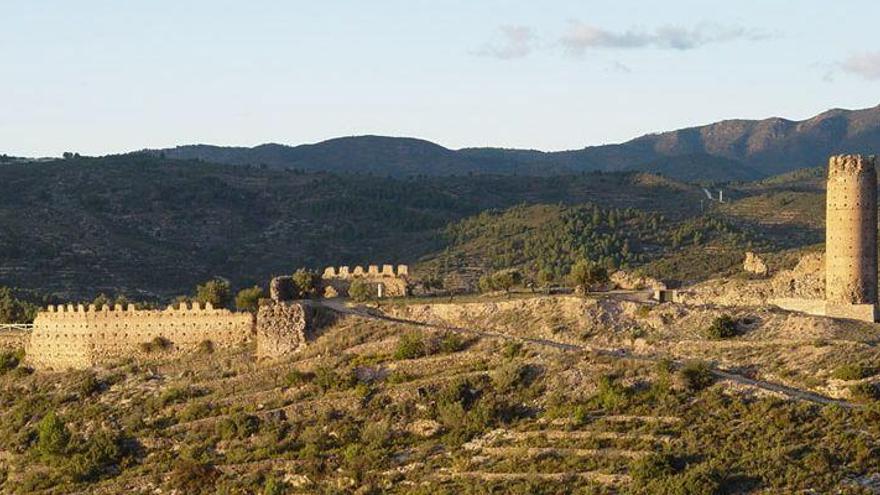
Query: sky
x=100 y=77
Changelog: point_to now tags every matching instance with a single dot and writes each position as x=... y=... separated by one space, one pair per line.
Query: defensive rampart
x=84 y=336
x=387 y=281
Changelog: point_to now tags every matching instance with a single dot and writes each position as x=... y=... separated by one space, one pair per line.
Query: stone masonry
x=281 y=328
x=387 y=282
x=81 y=337
x=851 y=238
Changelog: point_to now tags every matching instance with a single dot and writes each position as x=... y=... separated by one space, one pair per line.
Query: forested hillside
x=151 y=227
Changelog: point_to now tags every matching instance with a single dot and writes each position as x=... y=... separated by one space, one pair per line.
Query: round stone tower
x=851 y=238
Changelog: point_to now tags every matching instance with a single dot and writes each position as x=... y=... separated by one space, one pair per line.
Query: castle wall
x=81 y=337
x=394 y=282
x=851 y=233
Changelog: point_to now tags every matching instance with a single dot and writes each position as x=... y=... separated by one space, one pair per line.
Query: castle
x=77 y=337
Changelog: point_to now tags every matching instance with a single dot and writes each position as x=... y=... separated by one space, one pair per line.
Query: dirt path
x=339 y=306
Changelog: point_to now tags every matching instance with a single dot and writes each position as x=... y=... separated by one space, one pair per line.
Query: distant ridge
x=722 y=151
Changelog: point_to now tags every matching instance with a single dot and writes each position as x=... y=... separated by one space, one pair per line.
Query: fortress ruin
x=386 y=282
x=851 y=238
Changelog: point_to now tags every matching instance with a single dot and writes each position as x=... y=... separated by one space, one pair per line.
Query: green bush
x=452 y=342
x=585 y=273
x=217 y=292
x=238 y=427
x=8 y=361
x=361 y=290
x=501 y=280
x=722 y=327
x=696 y=375
x=653 y=466
x=410 y=346
x=853 y=372
x=52 y=436
x=249 y=299
x=305 y=283
x=274 y=486
x=865 y=392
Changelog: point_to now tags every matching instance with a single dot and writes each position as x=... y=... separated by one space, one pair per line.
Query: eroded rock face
x=754 y=264
x=282 y=328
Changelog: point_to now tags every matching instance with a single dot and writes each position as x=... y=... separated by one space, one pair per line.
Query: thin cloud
x=510 y=42
x=866 y=65
x=581 y=37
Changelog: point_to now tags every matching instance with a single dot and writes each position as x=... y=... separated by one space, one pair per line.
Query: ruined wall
x=81 y=337
x=393 y=283
x=281 y=328
x=851 y=232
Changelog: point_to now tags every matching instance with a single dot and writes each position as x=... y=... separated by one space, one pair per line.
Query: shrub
x=501 y=280
x=296 y=378
x=512 y=349
x=410 y=346
x=611 y=394
x=249 y=299
x=52 y=435
x=274 y=486
x=585 y=273
x=305 y=283
x=89 y=386
x=651 y=467
x=193 y=477
x=361 y=290
x=216 y=292
x=696 y=375
x=239 y=426
x=722 y=327
x=206 y=347
x=101 y=450
x=452 y=342
x=8 y=361
x=864 y=392
x=158 y=344
x=853 y=372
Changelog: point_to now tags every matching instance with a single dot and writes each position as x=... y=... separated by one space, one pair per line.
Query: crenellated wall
x=84 y=336
x=389 y=281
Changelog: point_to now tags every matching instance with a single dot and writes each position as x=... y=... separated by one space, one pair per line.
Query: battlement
x=117 y=310
x=847 y=165
x=372 y=271
x=80 y=336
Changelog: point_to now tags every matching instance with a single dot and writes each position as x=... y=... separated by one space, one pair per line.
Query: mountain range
x=728 y=150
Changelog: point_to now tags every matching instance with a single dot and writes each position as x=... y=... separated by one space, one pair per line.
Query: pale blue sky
x=110 y=76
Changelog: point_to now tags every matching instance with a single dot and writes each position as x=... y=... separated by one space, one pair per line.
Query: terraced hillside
x=522 y=395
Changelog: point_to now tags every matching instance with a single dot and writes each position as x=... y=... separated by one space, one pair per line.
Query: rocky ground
x=538 y=394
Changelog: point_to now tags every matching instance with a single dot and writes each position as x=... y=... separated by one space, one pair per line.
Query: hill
x=538 y=395
x=121 y=224
x=722 y=151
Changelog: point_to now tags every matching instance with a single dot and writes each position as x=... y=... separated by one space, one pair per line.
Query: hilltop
x=721 y=151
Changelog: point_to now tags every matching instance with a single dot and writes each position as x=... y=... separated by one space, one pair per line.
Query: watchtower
x=851 y=238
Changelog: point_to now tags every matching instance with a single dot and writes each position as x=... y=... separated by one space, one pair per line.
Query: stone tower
x=851 y=238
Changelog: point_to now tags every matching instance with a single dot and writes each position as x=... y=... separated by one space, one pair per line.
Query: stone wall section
x=281 y=328
x=336 y=281
x=80 y=337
